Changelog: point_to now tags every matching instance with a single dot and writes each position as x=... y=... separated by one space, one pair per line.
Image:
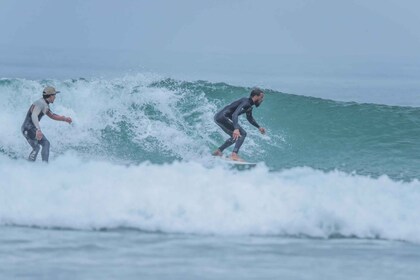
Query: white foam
x=190 y=198
x=101 y=104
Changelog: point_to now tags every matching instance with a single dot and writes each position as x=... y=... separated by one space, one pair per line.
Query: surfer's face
x=259 y=100
x=51 y=98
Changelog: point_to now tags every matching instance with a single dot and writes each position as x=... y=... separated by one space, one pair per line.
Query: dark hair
x=256 y=92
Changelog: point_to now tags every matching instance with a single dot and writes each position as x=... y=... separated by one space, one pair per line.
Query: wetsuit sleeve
x=35 y=113
x=251 y=119
x=236 y=113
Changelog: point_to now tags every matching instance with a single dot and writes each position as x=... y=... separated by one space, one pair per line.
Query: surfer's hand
x=68 y=119
x=236 y=134
x=262 y=130
x=38 y=134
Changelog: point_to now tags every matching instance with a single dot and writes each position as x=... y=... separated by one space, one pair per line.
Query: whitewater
x=191 y=198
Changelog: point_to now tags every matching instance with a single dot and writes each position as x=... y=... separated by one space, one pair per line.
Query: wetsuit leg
x=45 y=152
x=35 y=144
x=30 y=137
x=240 y=141
x=227 y=125
x=229 y=142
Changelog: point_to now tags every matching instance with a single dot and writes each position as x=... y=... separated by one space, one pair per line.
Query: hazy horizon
x=284 y=44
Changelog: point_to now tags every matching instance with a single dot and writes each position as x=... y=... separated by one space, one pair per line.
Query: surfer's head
x=49 y=94
x=257 y=95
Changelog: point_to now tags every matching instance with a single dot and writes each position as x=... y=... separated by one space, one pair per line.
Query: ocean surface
x=132 y=191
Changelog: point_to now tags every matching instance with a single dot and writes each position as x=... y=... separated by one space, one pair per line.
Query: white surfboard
x=238 y=163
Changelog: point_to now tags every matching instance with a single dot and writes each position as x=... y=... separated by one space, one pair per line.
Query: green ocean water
x=368 y=139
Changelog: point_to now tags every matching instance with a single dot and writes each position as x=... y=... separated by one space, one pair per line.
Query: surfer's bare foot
x=235 y=157
x=217 y=153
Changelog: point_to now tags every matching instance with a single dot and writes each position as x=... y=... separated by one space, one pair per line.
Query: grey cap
x=49 y=91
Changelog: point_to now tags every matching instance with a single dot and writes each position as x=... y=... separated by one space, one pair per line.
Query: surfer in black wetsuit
x=31 y=129
x=227 y=119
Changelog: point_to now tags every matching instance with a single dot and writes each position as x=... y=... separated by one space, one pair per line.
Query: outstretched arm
x=58 y=117
x=252 y=121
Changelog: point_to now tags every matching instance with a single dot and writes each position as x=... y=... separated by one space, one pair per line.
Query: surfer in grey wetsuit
x=31 y=129
x=227 y=119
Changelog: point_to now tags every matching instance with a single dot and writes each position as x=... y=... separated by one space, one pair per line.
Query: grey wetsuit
x=227 y=119
x=30 y=125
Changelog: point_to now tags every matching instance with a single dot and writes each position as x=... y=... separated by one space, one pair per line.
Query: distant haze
x=257 y=41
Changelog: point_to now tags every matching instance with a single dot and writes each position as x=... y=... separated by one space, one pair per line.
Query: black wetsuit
x=227 y=119
x=30 y=126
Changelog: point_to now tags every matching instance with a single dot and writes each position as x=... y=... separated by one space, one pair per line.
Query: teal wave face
x=147 y=118
x=368 y=139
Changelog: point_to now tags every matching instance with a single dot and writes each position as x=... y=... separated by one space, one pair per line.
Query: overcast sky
x=128 y=29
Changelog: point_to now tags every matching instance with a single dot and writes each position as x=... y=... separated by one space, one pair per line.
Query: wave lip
x=186 y=197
